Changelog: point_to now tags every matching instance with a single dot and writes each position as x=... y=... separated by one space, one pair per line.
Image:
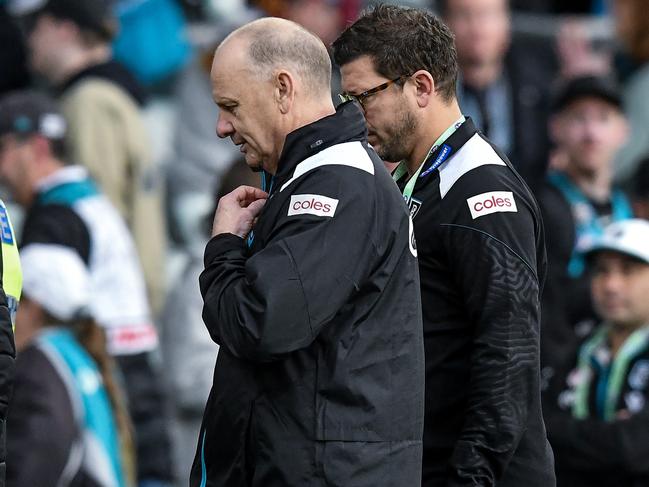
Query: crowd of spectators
x=119 y=90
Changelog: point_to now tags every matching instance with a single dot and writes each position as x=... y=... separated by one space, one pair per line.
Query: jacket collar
x=450 y=146
x=64 y=175
x=346 y=125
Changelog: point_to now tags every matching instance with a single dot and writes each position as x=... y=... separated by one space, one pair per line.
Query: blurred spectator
x=152 y=39
x=322 y=17
x=189 y=352
x=641 y=190
x=65 y=207
x=578 y=201
x=67 y=421
x=69 y=44
x=597 y=410
x=632 y=24
x=579 y=52
x=10 y=289
x=504 y=93
x=13 y=57
x=200 y=158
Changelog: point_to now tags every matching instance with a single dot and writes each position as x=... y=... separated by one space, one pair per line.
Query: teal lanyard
x=268 y=188
x=618 y=371
x=402 y=169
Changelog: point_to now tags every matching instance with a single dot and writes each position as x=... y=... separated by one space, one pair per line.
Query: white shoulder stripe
x=351 y=154
x=475 y=153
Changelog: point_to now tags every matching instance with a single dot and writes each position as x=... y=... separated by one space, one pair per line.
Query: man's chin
x=254 y=163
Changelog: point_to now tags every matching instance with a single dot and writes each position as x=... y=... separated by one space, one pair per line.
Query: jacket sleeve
x=494 y=262
x=278 y=300
x=593 y=445
x=7 y=356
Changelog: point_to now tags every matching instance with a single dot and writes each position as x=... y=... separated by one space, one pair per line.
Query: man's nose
x=223 y=127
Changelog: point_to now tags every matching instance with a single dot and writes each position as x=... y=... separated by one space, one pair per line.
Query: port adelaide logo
x=414 y=205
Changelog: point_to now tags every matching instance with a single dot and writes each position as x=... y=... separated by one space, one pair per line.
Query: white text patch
x=492 y=202
x=312 y=204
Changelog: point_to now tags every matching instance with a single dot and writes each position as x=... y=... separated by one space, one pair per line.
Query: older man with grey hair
x=310 y=286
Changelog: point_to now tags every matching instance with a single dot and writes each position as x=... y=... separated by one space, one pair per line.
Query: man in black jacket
x=319 y=377
x=481 y=254
x=597 y=408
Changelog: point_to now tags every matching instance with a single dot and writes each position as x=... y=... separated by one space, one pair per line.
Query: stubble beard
x=394 y=146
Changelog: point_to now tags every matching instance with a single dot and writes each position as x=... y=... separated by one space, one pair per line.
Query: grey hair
x=278 y=43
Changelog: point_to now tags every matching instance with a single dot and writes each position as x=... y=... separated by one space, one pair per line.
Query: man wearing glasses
x=480 y=248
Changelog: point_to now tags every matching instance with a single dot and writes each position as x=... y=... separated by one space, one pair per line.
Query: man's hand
x=238 y=210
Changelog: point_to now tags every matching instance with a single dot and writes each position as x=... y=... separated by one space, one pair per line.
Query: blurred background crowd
x=561 y=86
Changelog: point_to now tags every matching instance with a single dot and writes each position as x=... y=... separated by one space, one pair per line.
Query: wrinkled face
x=481 y=28
x=390 y=119
x=590 y=131
x=44 y=42
x=620 y=289
x=16 y=156
x=248 y=113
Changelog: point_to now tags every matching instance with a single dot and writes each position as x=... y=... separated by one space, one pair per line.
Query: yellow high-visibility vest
x=12 y=276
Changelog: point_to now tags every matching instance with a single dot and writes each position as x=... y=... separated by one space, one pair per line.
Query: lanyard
x=402 y=169
x=265 y=186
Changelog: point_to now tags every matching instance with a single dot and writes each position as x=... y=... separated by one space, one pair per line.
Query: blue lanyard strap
x=267 y=186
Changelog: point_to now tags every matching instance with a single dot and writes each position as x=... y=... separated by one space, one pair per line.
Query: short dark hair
x=401 y=41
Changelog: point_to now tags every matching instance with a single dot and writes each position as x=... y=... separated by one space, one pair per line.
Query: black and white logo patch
x=412 y=242
x=414 y=206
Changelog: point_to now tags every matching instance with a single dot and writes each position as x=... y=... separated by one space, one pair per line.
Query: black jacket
x=591 y=452
x=319 y=378
x=7 y=367
x=481 y=263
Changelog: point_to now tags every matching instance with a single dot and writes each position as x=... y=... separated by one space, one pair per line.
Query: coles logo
x=312 y=204
x=493 y=202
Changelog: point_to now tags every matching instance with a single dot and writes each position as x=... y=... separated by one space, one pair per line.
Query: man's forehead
x=230 y=83
x=610 y=256
x=228 y=74
x=589 y=103
x=360 y=75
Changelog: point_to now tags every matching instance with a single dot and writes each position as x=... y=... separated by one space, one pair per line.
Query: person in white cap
x=67 y=421
x=597 y=412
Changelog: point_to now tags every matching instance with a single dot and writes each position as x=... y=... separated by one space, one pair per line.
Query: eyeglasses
x=373 y=91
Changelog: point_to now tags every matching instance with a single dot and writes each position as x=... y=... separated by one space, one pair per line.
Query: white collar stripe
x=475 y=153
x=351 y=154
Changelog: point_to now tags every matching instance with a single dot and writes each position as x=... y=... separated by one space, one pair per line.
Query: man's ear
x=424 y=87
x=284 y=90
